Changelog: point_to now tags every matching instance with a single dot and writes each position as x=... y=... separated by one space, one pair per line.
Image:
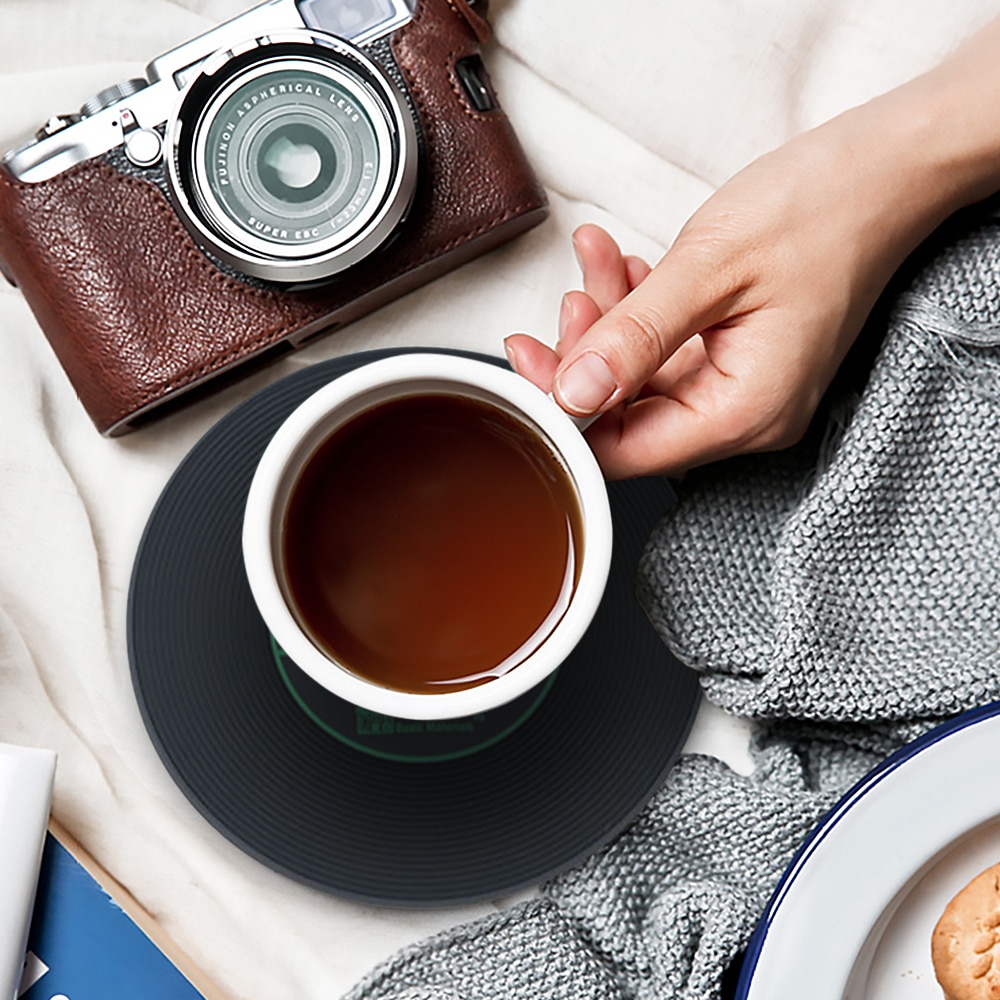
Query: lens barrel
x=293 y=160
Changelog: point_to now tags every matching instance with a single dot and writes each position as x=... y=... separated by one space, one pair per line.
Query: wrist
x=900 y=164
x=944 y=129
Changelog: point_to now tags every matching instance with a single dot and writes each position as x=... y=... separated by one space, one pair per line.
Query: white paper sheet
x=26 y=778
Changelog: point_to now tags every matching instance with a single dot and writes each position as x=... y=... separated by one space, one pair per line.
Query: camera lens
x=297 y=164
x=289 y=158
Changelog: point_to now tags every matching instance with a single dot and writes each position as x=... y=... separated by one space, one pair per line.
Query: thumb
x=623 y=349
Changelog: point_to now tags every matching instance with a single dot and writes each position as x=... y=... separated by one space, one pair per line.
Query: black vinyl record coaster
x=377 y=809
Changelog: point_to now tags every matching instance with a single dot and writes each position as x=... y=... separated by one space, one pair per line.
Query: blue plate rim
x=834 y=815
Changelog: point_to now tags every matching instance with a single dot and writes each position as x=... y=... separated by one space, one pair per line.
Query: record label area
x=272 y=766
x=411 y=740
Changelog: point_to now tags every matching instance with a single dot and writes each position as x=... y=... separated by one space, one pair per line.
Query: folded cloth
x=845 y=593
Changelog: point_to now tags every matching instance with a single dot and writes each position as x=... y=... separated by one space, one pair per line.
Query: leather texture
x=138 y=315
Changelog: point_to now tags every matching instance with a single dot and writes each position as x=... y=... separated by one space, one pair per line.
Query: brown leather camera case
x=138 y=315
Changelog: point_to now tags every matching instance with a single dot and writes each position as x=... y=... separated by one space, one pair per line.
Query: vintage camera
x=320 y=157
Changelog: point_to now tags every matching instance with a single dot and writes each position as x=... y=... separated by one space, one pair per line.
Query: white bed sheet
x=632 y=113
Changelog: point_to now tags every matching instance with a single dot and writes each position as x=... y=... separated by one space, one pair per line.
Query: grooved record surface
x=400 y=832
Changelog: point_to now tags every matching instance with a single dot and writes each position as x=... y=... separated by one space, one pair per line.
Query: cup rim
x=308 y=425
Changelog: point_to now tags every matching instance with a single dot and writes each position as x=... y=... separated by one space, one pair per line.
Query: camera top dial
x=293 y=158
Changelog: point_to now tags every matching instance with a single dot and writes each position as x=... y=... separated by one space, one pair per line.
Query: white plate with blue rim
x=852 y=916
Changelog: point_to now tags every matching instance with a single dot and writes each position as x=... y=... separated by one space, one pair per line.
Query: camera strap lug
x=477 y=21
x=56 y=124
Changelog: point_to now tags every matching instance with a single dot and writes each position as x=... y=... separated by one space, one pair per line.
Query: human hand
x=727 y=345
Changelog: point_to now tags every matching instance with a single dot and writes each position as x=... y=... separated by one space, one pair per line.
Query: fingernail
x=565 y=315
x=511 y=354
x=586 y=383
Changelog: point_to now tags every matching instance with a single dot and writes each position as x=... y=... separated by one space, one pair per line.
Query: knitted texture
x=854 y=578
x=845 y=593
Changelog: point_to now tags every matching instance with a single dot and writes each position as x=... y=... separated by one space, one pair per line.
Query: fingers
x=577 y=314
x=537 y=362
x=532 y=359
x=608 y=275
x=622 y=350
x=636 y=271
x=632 y=337
x=689 y=358
x=605 y=277
x=698 y=421
x=669 y=432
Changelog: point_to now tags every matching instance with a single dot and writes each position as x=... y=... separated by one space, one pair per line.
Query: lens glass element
x=289 y=157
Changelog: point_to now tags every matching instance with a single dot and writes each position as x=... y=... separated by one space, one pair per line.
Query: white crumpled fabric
x=632 y=114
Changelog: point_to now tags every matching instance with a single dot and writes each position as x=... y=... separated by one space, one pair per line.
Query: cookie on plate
x=965 y=945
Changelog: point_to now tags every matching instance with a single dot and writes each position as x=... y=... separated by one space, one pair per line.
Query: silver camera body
x=287 y=150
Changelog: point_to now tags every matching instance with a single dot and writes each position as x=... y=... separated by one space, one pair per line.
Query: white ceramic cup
x=354 y=392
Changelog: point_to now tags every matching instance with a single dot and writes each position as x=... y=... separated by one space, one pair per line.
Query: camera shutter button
x=143 y=147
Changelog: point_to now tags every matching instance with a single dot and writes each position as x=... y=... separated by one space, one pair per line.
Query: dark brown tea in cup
x=431 y=543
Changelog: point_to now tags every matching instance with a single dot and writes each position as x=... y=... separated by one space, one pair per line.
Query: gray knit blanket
x=845 y=594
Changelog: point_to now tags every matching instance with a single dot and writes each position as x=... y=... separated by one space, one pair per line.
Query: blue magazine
x=83 y=945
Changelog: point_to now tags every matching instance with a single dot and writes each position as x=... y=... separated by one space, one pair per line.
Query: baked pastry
x=965 y=945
